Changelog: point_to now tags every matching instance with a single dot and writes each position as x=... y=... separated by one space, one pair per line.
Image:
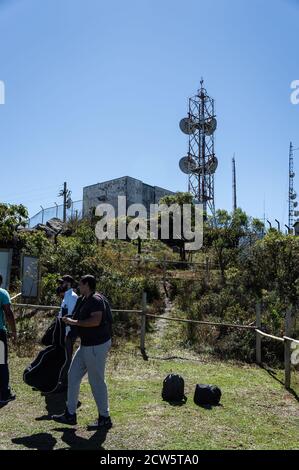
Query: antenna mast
x=234 y=184
x=292 y=193
x=200 y=163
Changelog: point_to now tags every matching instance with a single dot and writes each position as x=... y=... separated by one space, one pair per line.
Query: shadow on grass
x=273 y=374
x=41 y=441
x=75 y=442
x=45 y=441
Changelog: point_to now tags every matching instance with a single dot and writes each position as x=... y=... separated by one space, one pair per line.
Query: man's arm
x=10 y=318
x=94 y=320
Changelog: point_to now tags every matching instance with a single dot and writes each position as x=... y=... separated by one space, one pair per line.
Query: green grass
x=256 y=411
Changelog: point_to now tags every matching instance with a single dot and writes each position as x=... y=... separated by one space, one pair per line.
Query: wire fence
x=48 y=213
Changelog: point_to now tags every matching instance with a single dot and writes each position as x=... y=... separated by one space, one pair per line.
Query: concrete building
x=135 y=191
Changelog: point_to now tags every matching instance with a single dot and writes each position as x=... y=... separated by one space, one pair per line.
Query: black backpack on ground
x=207 y=395
x=173 y=389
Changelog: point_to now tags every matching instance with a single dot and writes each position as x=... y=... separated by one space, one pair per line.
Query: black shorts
x=3 y=347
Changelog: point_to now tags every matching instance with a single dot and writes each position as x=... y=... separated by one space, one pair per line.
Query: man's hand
x=69 y=321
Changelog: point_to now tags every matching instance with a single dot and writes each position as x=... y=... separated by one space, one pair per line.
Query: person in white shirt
x=68 y=303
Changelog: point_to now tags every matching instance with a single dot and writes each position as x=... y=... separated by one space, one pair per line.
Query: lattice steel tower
x=200 y=163
x=292 y=194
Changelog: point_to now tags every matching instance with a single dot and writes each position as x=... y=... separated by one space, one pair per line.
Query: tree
x=273 y=266
x=179 y=199
x=225 y=235
x=11 y=217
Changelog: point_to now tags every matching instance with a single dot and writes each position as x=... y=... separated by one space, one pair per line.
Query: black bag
x=173 y=389
x=47 y=339
x=108 y=313
x=46 y=371
x=207 y=395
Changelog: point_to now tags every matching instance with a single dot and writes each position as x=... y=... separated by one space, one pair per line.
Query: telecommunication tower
x=292 y=194
x=201 y=163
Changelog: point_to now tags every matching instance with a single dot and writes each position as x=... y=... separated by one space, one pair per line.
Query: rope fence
x=287 y=340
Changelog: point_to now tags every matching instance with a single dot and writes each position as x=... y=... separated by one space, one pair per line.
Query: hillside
x=255 y=413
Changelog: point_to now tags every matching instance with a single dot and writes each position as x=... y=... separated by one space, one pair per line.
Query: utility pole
x=64 y=201
x=66 y=195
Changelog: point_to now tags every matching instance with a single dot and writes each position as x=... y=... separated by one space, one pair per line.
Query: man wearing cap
x=70 y=297
x=67 y=307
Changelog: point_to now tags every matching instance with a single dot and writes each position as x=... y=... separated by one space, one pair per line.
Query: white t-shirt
x=69 y=302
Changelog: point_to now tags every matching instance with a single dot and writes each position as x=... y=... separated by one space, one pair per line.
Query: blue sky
x=95 y=90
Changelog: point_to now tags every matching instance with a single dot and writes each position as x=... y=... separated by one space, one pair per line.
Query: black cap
x=66 y=278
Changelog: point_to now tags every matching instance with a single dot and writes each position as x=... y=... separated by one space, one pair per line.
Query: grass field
x=255 y=413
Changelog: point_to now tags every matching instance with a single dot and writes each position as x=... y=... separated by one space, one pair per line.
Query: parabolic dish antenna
x=187 y=165
x=295 y=204
x=212 y=165
x=210 y=126
x=293 y=196
x=187 y=126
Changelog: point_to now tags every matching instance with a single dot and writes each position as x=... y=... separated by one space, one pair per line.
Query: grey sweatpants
x=90 y=359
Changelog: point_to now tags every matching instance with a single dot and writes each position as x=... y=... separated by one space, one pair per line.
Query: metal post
x=287 y=349
x=64 y=201
x=143 y=323
x=258 y=338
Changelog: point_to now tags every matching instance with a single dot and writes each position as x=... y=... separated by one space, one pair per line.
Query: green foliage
x=251 y=268
x=11 y=216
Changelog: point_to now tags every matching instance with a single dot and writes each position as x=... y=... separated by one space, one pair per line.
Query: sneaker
x=7 y=397
x=66 y=418
x=102 y=422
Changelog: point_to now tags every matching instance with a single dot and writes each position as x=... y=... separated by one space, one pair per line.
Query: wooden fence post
x=207 y=268
x=258 y=338
x=287 y=349
x=143 y=322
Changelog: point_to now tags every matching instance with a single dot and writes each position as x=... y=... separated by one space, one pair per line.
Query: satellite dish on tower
x=187 y=126
x=293 y=196
x=212 y=165
x=295 y=204
x=210 y=126
x=187 y=165
x=69 y=203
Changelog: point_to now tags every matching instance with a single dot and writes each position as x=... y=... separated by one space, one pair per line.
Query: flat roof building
x=136 y=192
